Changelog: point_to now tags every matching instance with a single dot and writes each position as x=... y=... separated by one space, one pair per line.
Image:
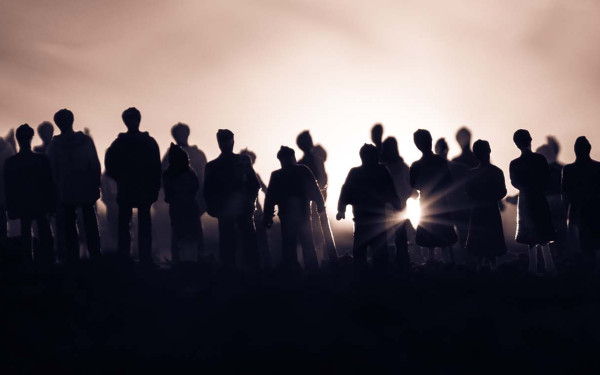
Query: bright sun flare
x=413 y=211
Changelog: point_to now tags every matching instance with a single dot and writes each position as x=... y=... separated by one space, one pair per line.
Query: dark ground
x=113 y=317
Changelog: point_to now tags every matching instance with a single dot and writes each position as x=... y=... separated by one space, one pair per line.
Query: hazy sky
x=269 y=69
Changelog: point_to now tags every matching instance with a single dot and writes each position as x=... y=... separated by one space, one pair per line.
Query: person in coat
x=530 y=174
x=431 y=176
x=485 y=188
x=30 y=194
x=133 y=161
x=369 y=189
x=76 y=172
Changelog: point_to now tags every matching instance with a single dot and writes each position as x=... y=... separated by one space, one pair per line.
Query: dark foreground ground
x=112 y=317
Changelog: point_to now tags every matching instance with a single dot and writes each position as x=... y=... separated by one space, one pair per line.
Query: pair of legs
x=144 y=232
x=401 y=242
x=370 y=235
x=68 y=225
x=44 y=253
x=533 y=258
x=262 y=237
x=293 y=231
x=185 y=236
x=230 y=230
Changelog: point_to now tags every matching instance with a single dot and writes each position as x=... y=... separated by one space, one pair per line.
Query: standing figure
x=400 y=173
x=466 y=157
x=230 y=191
x=581 y=194
x=109 y=231
x=181 y=187
x=431 y=176
x=485 y=188
x=133 y=161
x=30 y=195
x=369 y=189
x=261 y=230
x=530 y=174
x=76 y=172
x=292 y=188
x=45 y=131
x=377 y=137
x=6 y=151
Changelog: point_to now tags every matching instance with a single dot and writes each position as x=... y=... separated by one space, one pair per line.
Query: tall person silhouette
x=30 y=194
x=6 y=151
x=292 y=188
x=76 y=172
x=230 y=191
x=431 y=176
x=530 y=174
x=45 y=131
x=377 y=137
x=369 y=189
x=133 y=161
x=486 y=188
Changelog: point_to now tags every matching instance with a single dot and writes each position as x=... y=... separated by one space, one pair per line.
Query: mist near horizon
x=270 y=69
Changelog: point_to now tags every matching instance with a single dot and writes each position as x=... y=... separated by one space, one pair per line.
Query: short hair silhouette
x=482 y=150
x=305 y=141
x=422 y=139
x=285 y=153
x=582 y=147
x=249 y=154
x=132 y=117
x=463 y=137
x=24 y=134
x=389 y=150
x=522 y=139
x=441 y=147
x=225 y=140
x=180 y=132
x=64 y=119
x=178 y=156
x=45 y=131
x=368 y=154
x=376 y=132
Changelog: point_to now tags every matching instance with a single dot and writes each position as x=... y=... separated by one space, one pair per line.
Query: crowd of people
x=461 y=199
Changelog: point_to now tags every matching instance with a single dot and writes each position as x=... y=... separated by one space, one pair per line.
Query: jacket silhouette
x=181 y=187
x=486 y=188
x=292 y=188
x=313 y=158
x=369 y=189
x=230 y=191
x=133 y=161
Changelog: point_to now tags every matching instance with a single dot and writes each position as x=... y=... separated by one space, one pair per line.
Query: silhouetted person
x=457 y=195
x=466 y=157
x=181 y=187
x=230 y=190
x=181 y=134
x=369 y=189
x=431 y=176
x=377 y=137
x=10 y=138
x=261 y=230
x=30 y=194
x=76 y=172
x=108 y=188
x=292 y=188
x=530 y=174
x=133 y=161
x=400 y=173
x=45 y=131
x=581 y=194
x=485 y=188
x=6 y=151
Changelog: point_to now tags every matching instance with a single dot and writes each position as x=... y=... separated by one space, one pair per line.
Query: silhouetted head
x=305 y=141
x=463 y=137
x=286 y=156
x=389 y=150
x=522 y=139
x=482 y=151
x=249 y=154
x=64 y=120
x=24 y=136
x=225 y=140
x=132 y=117
x=582 y=147
x=180 y=133
x=377 y=134
x=441 y=148
x=423 y=140
x=369 y=154
x=178 y=158
x=46 y=131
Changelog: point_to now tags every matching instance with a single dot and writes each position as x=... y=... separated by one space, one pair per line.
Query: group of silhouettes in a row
x=460 y=199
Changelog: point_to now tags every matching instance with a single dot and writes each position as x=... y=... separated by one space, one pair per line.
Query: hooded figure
x=181 y=186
